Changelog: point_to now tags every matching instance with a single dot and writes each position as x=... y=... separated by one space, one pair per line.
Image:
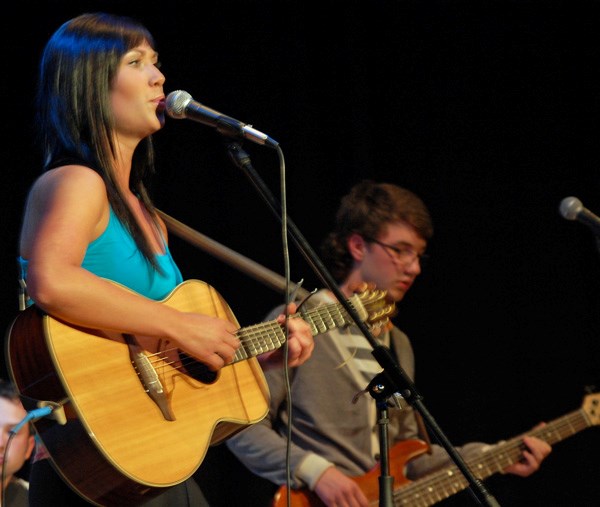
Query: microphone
x=45 y=409
x=180 y=104
x=571 y=208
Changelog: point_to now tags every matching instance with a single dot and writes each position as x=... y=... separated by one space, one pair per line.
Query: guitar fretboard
x=445 y=483
x=267 y=336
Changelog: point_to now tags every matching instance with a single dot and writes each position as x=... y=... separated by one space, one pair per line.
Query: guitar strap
x=422 y=429
x=244 y=264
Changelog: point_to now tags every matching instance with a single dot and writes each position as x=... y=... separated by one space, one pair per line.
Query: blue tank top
x=115 y=256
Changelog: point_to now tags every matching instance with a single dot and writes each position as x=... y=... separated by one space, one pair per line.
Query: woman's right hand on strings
x=210 y=340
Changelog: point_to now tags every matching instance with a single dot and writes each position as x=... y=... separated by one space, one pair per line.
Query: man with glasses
x=380 y=237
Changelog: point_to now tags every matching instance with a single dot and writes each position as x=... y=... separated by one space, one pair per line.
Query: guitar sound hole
x=197 y=370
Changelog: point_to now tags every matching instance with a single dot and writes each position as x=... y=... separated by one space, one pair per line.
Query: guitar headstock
x=378 y=307
x=591 y=407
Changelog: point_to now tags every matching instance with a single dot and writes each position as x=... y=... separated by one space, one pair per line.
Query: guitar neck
x=267 y=336
x=445 y=483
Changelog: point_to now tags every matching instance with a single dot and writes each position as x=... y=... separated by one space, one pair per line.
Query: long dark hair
x=75 y=119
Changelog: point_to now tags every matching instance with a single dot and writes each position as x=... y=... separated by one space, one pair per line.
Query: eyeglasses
x=402 y=255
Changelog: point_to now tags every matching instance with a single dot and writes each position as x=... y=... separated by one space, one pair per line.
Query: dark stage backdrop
x=488 y=110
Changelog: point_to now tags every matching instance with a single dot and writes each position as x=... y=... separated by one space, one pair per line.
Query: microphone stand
x=393 y=379
x=386 y=481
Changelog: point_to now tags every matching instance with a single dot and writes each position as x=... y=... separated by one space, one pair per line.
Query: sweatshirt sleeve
x=262 y=447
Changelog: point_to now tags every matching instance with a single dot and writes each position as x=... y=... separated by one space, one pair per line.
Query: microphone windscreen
x=570 y=207
x=176 y=103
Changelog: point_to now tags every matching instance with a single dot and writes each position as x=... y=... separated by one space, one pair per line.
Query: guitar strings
x=255 y=340
x=495 y=461
x=267 y=336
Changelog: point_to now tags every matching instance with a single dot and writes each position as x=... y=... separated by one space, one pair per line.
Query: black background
x=488 y=110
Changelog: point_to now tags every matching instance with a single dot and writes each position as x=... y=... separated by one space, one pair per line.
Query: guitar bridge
x=148 y=377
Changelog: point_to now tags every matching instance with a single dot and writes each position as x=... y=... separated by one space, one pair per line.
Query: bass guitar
x=440 y=485
x=138 y=414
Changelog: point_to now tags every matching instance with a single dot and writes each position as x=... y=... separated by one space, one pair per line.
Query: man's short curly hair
x=8 y=391
x=366 y=210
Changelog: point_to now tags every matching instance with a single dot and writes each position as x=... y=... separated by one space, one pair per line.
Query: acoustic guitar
x=140 y=415
x=440 y=485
